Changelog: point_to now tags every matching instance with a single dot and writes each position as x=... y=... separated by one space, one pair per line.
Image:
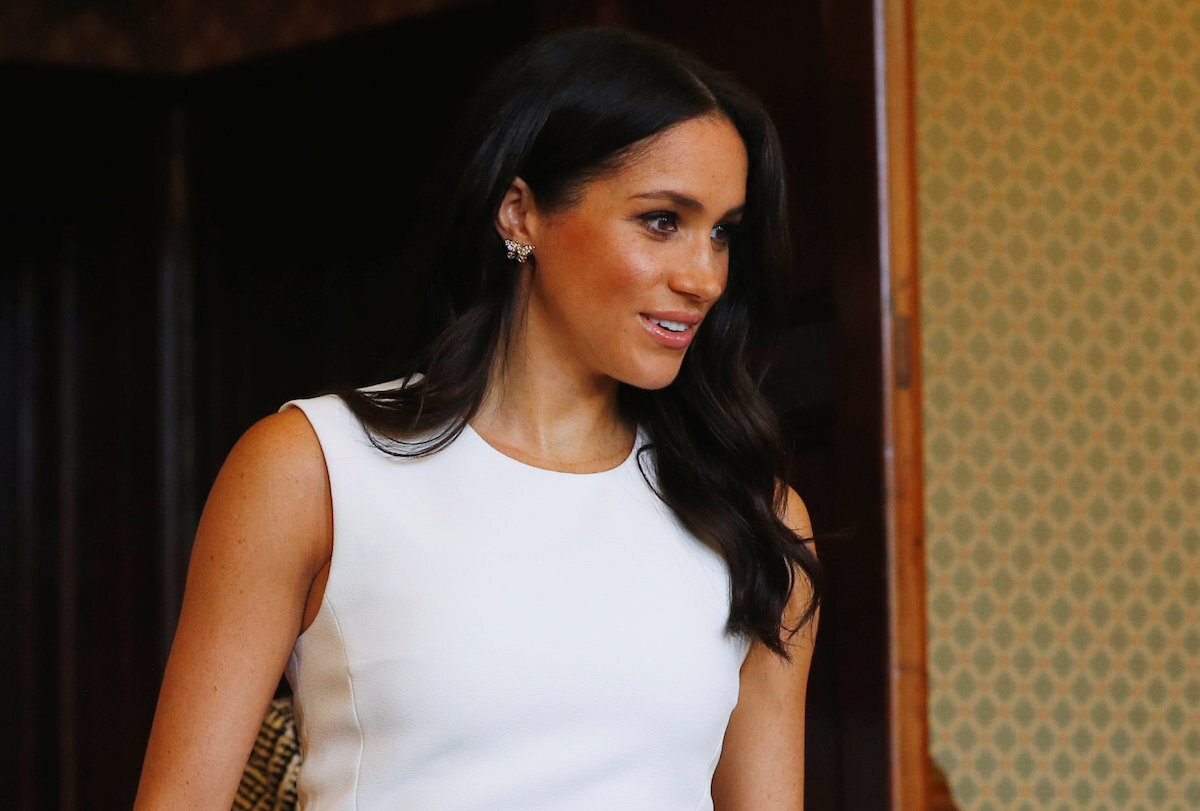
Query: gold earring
x=518 y=250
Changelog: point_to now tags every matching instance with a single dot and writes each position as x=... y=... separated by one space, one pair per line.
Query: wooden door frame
x=903 y=471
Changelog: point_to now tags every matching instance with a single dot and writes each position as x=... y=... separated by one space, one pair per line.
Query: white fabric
x=498 y=636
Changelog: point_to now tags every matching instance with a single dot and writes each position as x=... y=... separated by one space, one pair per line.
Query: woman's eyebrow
x=683 y=201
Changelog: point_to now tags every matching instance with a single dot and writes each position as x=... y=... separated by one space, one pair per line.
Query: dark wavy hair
x=559 y=113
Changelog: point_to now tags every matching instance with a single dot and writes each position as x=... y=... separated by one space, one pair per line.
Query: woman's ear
x=517 y=217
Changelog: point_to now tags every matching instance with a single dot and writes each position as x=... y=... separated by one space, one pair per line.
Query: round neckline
x=632 y=455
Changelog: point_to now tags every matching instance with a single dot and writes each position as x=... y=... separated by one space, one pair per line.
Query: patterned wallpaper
x=1059 y=189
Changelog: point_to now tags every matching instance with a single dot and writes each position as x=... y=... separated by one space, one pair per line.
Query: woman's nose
x=702 y=275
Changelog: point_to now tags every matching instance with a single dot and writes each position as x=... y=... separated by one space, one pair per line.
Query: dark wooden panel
x=858 y=606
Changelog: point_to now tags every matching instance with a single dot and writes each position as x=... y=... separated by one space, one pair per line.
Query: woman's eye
x=661 y=222
x=723 y=232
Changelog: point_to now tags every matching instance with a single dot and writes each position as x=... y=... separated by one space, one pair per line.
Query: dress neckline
x=630 y=458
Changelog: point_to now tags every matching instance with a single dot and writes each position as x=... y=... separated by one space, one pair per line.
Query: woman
x=553 y=566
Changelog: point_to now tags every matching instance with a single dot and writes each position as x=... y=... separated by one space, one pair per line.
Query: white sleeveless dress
x=498 y=636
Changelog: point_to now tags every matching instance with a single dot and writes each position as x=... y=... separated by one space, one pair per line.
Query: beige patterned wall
x=1059 y=188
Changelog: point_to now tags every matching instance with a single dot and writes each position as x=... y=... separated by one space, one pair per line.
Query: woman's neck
x=551 y=420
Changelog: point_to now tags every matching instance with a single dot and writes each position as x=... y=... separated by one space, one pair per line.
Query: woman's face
x=623 y=278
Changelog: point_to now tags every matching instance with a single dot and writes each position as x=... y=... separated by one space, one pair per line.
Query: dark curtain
x=179 y=256
x=85 y=492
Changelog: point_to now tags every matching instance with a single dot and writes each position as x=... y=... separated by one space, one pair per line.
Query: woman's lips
x=670 y=338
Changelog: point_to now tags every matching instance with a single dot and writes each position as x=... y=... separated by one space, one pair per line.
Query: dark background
x=179 y=254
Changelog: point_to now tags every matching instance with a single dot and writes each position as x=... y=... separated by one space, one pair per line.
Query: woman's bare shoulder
x=762 y=761
x=265 y=533
x=283 y=437
x=275 y=476
x=795 y=515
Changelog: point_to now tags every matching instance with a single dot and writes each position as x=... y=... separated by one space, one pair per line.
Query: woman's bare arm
x=265 y=534
x=762 y=761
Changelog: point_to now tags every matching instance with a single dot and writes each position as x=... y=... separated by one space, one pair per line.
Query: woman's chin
x=653 y=379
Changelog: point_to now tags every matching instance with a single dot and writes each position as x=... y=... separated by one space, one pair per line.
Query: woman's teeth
x=673 y=326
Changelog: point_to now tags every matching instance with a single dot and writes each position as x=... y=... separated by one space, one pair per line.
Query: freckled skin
x=601 y=263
